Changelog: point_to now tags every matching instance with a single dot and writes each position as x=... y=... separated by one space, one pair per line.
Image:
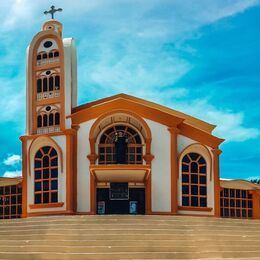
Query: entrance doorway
x=133 y=204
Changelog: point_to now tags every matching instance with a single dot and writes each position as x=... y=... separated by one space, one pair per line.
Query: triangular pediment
x=189 y=126
x=148 y=104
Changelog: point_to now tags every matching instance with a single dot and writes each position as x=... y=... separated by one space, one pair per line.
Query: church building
x=116 y=155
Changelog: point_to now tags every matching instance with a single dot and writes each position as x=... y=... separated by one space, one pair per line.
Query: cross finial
x=52 y=11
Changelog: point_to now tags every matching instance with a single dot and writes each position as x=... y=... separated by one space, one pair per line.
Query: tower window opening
x=56 y=54
x=48 y=86
x=57 y=82
x=39 y=85
x=57 y=118
x=48 y=120
x=51 y=84
x=51 y=119
x=45 y=85
x=39 y=121
x=47 y=57
x=45 y=120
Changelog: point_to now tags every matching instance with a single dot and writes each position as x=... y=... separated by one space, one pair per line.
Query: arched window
x=39 y=121
x=56 y=54
x=50 y=83
x=51 y=119
x=39 y=85
x=120 y=144
x=57 y=118
x=57 y=82
x=46 y=175
x=45 y=120
x=194 y=180
x=45 y=85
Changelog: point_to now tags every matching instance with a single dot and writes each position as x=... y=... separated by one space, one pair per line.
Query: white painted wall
x=161 y=167
x=61 y=141
x=183 y=142
x=70 y=77
x=83 y=191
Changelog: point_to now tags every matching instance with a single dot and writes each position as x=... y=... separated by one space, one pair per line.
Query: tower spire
x=52 y=11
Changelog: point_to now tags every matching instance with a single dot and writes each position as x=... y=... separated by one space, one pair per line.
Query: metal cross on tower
x=52 y=11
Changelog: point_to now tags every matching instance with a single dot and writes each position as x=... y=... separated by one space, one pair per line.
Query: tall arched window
x=46 y=175
x=194 y=180
x=120 y=144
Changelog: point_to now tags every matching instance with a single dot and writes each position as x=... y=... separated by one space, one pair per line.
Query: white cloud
x=138 y=66
x=230 y=125
x=257 y=177
x=143 y=18
x=12 y=174
x=13 y=160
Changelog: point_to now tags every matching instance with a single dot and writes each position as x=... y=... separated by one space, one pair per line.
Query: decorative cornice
x=174 y=130
x=216 y=151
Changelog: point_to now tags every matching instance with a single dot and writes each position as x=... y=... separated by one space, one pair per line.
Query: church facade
x=117 y=155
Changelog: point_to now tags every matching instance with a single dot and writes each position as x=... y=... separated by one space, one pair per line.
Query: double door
x=133 y=204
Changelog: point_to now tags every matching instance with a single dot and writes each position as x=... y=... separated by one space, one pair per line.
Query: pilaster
x=256 y=204
x=174 y=169
x=216 y=152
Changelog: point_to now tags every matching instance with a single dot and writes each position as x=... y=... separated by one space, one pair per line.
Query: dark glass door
x=134 y=205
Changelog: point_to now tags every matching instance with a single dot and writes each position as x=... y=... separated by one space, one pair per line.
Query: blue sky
x=199 y=57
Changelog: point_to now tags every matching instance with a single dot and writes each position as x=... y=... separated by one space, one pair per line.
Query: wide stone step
x=135 y=255
x=164 y=243
x=129 y=237
x=136 y=226
x=131 y=249
x=140 y=237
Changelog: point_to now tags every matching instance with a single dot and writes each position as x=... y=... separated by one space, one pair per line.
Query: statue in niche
x=121 y=142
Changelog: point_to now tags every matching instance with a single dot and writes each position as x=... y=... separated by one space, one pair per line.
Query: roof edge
x=204 y=126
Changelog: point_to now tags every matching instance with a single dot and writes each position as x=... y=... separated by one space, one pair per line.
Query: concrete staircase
x=129 y=237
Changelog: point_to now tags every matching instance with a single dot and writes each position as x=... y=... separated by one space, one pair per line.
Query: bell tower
x=51 y=80
x=48 y=146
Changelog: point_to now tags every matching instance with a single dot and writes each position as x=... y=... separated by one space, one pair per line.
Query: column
x=256 y=204
x=70 y=160
x=93 y=192
x=75 y=162
x=216 y=152
x=174 y=169
x=24 y=174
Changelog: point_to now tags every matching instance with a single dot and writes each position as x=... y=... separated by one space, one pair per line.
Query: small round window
x=48 y=108
x=47 y=44
x=48 y=72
